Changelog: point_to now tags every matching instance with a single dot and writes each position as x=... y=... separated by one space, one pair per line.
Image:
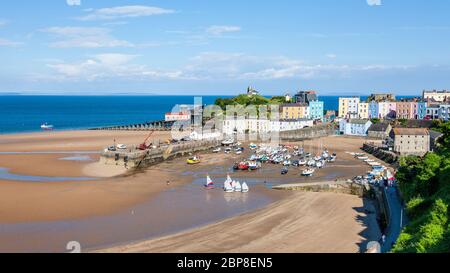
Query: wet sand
x=22 y=201
x=40 y=216
x=301 y=223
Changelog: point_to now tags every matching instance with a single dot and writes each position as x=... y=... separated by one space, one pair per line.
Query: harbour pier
x=135 y=158
x=147 y=126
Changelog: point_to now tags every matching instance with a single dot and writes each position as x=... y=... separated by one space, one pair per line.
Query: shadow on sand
x=367 y=217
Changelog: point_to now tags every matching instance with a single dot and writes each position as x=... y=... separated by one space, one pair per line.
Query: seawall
x=344 y=187
x=308 y=133
x=134 y=158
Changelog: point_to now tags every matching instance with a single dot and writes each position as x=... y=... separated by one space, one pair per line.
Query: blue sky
x=221 y=47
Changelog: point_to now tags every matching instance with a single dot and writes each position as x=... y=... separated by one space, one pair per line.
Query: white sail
x=209 y=182
x=228 y=187
x=245 y=187
x=238 y=187
x=229 y=180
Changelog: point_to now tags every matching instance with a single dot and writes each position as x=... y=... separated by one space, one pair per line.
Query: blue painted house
x=316 y=109
x=354 y=127
x=374 y=111
x=421 y=110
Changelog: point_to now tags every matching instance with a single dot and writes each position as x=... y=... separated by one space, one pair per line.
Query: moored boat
x=243 y=166
x=193 y=160
x=47 y=127
x=308 y=172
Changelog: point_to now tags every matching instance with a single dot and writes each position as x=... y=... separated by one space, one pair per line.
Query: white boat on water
x=238 y=187
x=228 y=185
x=209 y=183
x=302 y=163
x=245 y=188
x=47 y=127
x=308 y=172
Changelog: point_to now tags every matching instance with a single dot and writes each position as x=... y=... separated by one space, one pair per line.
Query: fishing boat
x=253 y=166
x=308 y=172
x=319 y=164
x=193 y=160
x=302 y=162
x=47 y=127
x=243 y=166
x=238 y=187
x=209 y=183
x=311 y=163
x=227 y=142
x=253 y=146
x=245 y=188
x=287 y=163
x=284 y=171
x=217 y=150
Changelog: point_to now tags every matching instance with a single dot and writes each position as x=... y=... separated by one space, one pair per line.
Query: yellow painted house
x=363 y=110
x=294 y=111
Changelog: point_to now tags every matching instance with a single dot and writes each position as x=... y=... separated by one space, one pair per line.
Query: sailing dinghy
x=238 y=187
x=209 y=183
x=245 y=188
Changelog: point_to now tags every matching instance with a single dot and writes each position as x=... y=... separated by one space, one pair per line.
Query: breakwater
x=134 y=158
x=317 y=131
x=147 y=126
x=378 y=152
x=344 y=187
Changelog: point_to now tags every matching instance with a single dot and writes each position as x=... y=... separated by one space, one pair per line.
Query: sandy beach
x=301 y=223
x=293 y=222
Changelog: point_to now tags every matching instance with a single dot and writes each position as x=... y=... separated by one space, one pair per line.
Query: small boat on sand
x=243 y=166
x=193 y=160
x=308 y=172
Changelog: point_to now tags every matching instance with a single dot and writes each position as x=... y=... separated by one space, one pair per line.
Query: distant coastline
x=26 y=113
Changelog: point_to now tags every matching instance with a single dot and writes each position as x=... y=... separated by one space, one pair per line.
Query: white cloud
x=218 y=30
x=332 y=56
x=2 y=23
x=374 y=2
x=216 y=66
x=85 y=37
x=124 y=12
x=9 y=43
x=73 y=2
x=106 y=66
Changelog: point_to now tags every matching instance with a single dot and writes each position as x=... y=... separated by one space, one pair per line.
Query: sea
x=21 y=113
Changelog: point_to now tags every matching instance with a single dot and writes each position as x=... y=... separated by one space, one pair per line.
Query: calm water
x=27 y=113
